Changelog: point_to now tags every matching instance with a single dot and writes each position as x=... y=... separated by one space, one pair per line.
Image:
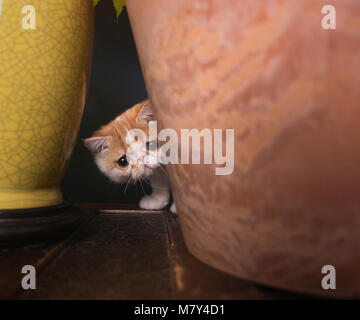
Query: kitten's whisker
x=127 y=183
x=139 y=179
x=147 y=182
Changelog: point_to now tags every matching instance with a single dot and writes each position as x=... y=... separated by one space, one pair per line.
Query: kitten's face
x=119 y=154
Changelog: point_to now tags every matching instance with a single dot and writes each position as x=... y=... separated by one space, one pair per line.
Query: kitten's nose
x=141 y=157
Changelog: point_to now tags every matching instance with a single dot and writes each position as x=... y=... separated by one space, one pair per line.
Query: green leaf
x=119 y=6
x=95 y=2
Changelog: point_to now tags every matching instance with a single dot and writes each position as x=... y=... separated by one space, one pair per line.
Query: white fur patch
x=173 y=208
x=156 y=202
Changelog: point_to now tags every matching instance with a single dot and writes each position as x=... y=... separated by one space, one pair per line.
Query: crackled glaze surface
x=291 y=91
x=43 y=78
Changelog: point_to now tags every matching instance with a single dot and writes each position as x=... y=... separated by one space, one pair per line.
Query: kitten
x=124 y=159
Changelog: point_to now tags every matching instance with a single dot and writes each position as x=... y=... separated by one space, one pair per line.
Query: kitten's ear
x=146 y=112
x=97 y=144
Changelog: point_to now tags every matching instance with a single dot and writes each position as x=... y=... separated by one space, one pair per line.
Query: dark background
x=116 y=84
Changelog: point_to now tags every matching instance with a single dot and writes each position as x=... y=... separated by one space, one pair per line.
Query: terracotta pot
x=290 y=89
x=45 y=51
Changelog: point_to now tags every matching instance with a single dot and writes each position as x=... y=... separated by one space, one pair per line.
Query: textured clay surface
x=290 y=89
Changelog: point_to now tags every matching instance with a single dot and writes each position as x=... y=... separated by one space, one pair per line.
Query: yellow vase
x=45 y=53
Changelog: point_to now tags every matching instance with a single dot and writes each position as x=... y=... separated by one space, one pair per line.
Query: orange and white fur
x=124 y=160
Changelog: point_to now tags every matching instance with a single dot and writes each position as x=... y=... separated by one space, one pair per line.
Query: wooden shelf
x=122 y=252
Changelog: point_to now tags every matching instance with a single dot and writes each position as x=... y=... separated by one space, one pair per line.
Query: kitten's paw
x=173 y=208
x=153 y=203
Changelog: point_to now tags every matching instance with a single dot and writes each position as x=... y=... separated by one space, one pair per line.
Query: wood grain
x=125 y=254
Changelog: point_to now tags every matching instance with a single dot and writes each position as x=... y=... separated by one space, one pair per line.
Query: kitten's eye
x=152 y=145
x=123 y=162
